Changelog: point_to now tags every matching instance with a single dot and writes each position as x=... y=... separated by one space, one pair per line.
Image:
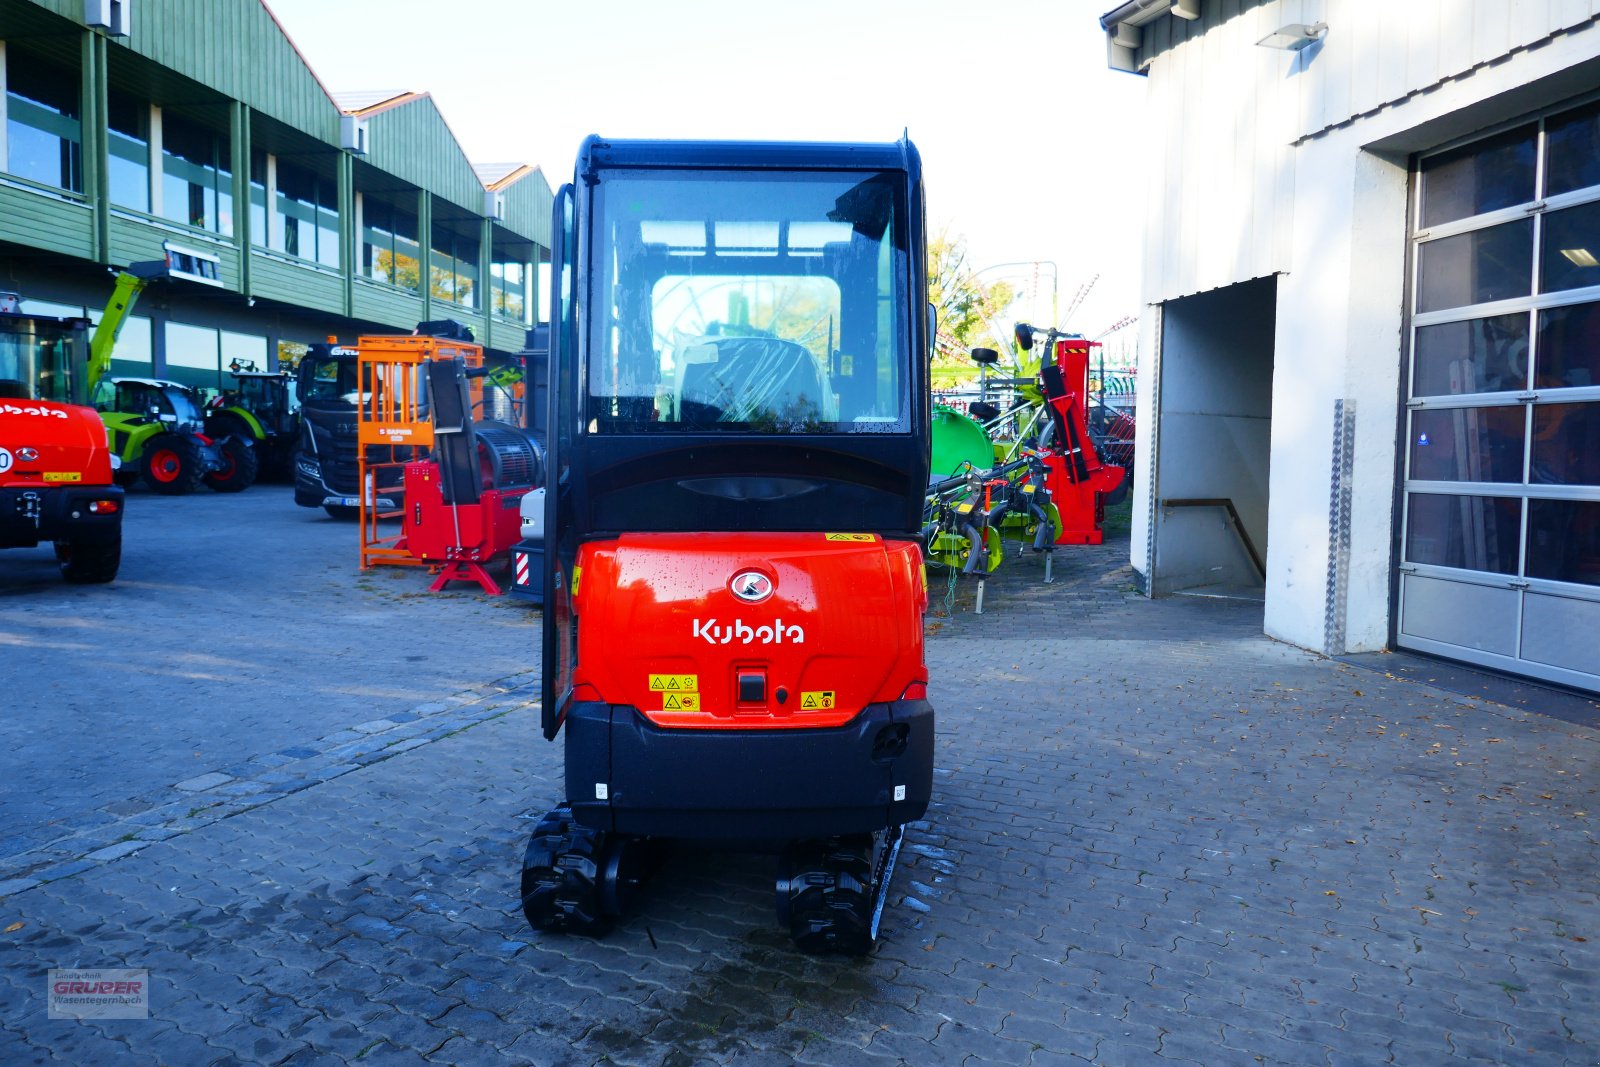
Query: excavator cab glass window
x=36 y=360
x=749 y=302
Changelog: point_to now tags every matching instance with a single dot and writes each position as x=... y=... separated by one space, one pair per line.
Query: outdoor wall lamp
x=1294 y=36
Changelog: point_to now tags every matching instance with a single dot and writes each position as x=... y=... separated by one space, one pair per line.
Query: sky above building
x=1029 y=143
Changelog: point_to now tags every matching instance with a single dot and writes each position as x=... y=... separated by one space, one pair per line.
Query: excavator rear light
x=915 y=691
x=104 y=507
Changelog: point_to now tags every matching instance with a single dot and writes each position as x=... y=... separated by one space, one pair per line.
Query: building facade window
x=453 y=265
x=247 y=349
x=196 y=175
x=128 y=165
x=390 y=252
x=44 y=134
x=192 y=355
x=1500 y=532
x=306 y=215
x=508 y=289
x=260 y=234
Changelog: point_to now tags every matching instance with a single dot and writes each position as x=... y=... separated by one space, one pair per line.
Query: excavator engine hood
x=52 y=444
x=749 y=630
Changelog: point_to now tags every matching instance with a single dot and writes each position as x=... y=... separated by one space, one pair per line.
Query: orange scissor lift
x=392 y=414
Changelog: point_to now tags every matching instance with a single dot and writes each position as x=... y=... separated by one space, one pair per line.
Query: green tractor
x=156 y=428
x=263 y=409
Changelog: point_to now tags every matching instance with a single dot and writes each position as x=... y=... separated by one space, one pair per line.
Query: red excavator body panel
x=730 y=631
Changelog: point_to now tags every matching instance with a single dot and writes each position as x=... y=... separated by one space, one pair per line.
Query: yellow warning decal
x=816 y=700
x=675 y=683
x=964 y=509
x=680 y=702
x=577 y=576
x=850 y=537
x=63 y=476
x=1029 y=489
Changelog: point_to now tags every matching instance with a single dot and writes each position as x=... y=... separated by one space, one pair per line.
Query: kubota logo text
x=50 y=413
x=745 y=634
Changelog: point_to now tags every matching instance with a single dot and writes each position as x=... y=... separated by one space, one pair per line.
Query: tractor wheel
x=824 y=894
x=240 y=465
x=562 y=875
x=90 y=562
x=172 y=465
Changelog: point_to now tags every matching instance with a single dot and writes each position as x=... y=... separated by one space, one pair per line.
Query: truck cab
x=327 y=460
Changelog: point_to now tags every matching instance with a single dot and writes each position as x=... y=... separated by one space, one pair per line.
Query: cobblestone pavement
x=239 y=633
x=1157 y=837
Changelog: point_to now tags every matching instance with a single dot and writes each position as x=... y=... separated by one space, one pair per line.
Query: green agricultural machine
x=262 y=408
x=156 y=426
x=1027 y=468
x=157 y=430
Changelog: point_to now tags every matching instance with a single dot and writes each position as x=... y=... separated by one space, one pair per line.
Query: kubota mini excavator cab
x=739 y=412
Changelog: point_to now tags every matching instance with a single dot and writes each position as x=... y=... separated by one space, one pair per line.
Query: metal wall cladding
x=234 y=46
x=411 y=141
x=1373 y=54
x=42 y=220
x=528 y=203
x=1225 y=115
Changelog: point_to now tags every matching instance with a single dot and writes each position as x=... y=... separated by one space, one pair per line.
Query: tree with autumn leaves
x=970 y=312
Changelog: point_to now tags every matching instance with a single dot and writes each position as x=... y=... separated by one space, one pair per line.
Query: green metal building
x=129 y=124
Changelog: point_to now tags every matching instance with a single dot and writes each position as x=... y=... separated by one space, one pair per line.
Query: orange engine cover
x=68 y=442
x=748 y=630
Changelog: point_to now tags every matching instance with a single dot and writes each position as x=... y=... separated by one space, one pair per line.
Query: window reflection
x=1468 y=444
x=196 y=175
x=1569 y=347
x=1564 y=540
x=1477 y=533
x=1484 y=176
x=1572 y=150
x=1488 y=355
x=1473 y=268
x=44 y=138
x=453 y=264
x=307 y=215
x=128 y=163
x=1566 y=444
x=389 y=249
x=1570 y=256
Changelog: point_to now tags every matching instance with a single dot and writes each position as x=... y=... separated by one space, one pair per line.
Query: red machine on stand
x=464 y=504
x=1078 y=480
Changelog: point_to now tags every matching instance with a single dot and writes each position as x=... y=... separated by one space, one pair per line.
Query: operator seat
x=749 y=380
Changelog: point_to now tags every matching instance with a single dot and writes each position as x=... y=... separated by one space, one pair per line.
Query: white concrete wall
x=1225 y=114
x=1314 y=189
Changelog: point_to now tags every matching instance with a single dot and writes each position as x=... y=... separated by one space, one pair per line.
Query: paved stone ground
x=1157 y=837
x=239 y=630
